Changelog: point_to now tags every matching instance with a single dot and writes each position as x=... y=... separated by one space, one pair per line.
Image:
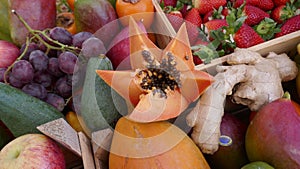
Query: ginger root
x=256 y=81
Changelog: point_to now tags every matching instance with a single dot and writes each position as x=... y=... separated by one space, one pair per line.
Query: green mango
x=100 y=105
x=257 y=165
x=38 y=15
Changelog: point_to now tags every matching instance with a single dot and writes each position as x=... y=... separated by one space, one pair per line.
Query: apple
x=8 y=53
x=32 y=151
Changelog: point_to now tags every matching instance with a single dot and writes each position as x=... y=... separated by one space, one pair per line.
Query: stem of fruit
x=37 y=34
x=19 y=58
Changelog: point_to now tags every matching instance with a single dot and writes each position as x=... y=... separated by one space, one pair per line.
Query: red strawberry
x=175 y=18
x=215 y=24
x=184 y=9
x=262 y=4
x=193 y=16
x=193 y=22
x=246 y=37
x=215 y=14
x=254 y=15
x=280 y=2
x=225 y=11
x=168 y=2
x=283 y=12
x=291 y=25
x=197 y=60
x=205 y=6
x=208 y=16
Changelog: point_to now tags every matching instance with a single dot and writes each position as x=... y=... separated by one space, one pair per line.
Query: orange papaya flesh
x=194 y=83
x=180 y=49
x=122 y=82
x=140 y=41
x=155 y=108
x=170 y=73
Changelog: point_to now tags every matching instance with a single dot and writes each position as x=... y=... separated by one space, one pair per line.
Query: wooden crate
x=91 y=153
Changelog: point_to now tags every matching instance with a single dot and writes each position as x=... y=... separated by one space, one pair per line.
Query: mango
x=96 y=16
x=273 y=135
x=38 y=15
x=233 y=155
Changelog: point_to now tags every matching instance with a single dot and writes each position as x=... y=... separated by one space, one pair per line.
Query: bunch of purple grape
x=47 y=73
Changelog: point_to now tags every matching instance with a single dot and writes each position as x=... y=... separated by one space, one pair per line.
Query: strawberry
x=204 y=52
x=205 y=6
x=193 y=16
x=168 y=3
x=175 y=18
x=193 y=22
x=215 y=14
x=280 y=2
x=254 y=15
x=283 y=12
x=184 y=9
x=215 y=24
x=246 y=37
x=289 y=26
x=262 y=4
x=267 y=28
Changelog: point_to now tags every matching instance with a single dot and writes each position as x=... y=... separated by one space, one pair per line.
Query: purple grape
x=31 y=47
x=23 y=71
x=61 y=35
x=15 y=82
x=80 y=37
x=92 y=47
x=56 y=101
x=63 y=88
x=67 y=62
x=53 y=68
x=43 y=78
x=39 y=60
x=35 y=90
x=2 y=71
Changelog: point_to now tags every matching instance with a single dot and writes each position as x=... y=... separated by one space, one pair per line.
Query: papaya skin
x=272 y=135
x=156 y=93
x=153 y=145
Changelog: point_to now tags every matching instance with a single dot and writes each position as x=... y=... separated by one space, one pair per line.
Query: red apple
x=119 y=49
x=8 y=53
x=273 y=136
x=32 y=151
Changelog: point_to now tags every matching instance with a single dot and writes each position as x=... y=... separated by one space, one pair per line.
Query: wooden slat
x=278 y=45
x=60 y=131
x=162 y=26
x=86 y=151
x=101 y=141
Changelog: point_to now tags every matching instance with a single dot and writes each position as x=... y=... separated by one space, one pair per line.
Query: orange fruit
x=140 y=10
x=73 y=120
x=67 y=21
x=71 y=4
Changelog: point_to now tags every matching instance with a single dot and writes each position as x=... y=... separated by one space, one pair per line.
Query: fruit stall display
x=150 y=84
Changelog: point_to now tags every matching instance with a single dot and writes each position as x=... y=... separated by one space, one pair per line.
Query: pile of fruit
x=224 y=25
x=50 y=51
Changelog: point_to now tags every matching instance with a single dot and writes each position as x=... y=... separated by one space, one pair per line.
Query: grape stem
x=19 y=58
x=37 y=34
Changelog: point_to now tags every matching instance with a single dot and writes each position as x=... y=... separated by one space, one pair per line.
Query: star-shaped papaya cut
x=161 y=83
